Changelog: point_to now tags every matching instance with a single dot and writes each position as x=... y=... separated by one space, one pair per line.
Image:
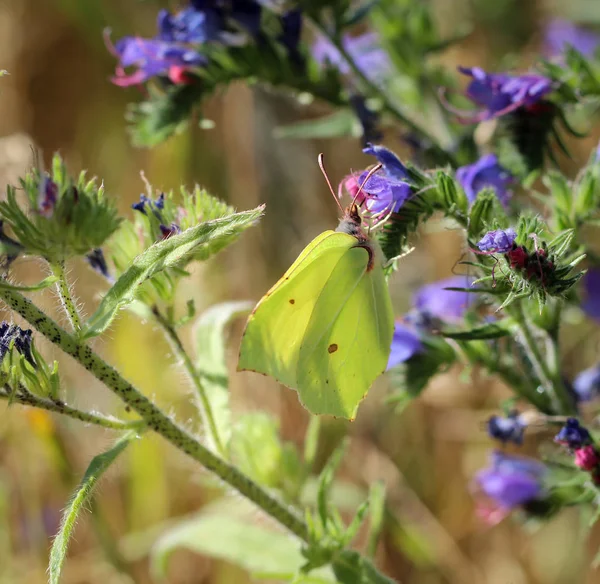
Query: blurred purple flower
x=97 y=262
x=365 y=50
x=386 y=190
x=587 y=384
x=507 y=429
x=405 y=344
x=573 y=435
x=189 y=25
x=486 y=172
x=497 y=241
x=152 y=58
x=447 y=305
x=500 y=93
x=509 y=482
x=48 y=195
x=22 y=339
x=368 y=119
x=560 y=33
x=591 y=287
x=169 y=230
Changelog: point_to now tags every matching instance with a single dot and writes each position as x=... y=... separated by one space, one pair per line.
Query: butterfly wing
x=347 y=342
x=325 y=328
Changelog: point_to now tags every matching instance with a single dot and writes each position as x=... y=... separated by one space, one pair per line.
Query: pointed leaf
x=94 y=472
x=341 y=123
x=210 y=359
x=480 y=333
x=45 y=283
x=206 y=239
x=223 y=532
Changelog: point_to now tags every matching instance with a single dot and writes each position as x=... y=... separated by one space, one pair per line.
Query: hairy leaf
x=175 y=251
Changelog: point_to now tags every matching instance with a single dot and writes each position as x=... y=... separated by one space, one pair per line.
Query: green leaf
x=45 y=283
x=221 y=532
x=204 y=239
x=80 y=498
x=340 y=123
x=211 y=362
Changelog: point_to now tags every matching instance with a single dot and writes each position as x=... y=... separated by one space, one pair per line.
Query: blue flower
x=447 y=305
x=591 y=287
x=48 y=196
x=573 y=435
x=147 y=203
x=405 y=344
x=486 y=172
x=587 y=384
x=498 y=240
x=97 y=262
x=512 y=481
x=560 y=34
x=507 y=429
x=189 y=26
x=168 y=231
x=152 y=58
x=22 y=339
x=368 y=119
x=291 y=30
x=500 y=93
x=387 y=189
x=365 y=50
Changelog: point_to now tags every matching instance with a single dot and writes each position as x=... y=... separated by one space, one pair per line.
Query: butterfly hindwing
x=325 y=328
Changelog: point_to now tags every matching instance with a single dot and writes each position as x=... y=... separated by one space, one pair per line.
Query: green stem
x=153 y=416
x=26 y=398
x=375 y=91
x=62 y=285
x=549 y=379
x=204 y=406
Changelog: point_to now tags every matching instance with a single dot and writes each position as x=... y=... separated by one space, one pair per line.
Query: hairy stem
x=62 y=285
x=550 y=379
x=204 y=406
x=153 y=416
x=26 y=398
x=374 y=90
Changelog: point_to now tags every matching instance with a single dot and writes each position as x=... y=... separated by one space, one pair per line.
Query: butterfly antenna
x=364 y=182
x=321 y=159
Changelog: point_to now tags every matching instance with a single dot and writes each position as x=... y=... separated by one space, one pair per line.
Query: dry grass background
x=58 y=97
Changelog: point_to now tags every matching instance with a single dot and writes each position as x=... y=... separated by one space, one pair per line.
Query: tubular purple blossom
x=405 y=344
x=573 y=435
x=511 y=481
x=587 y=384
x=507 y=429
x=497 y=241
x=486 y=172
x=591 y=288
x=500 y=93
x=447 y=305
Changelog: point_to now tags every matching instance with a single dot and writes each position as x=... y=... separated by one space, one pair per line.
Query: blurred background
x=58 y=97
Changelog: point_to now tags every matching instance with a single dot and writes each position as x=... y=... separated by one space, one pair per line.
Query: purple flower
x=560 y=33
x=97 y=262
x=498 y=240
x=486 y=172
x=591 y=287
x=573 y=435
x=387 y=189
x=368 y=119
x=500 y=93
x=365 y=50
x=405 y=344
x=511 y=481
x=167 y=231
x=447 y=305
x=152 y=58
x=507 y=429
x=189 y=26
x=22 y=338
x=147 y=203
x=48 y=195
x=587 y=384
